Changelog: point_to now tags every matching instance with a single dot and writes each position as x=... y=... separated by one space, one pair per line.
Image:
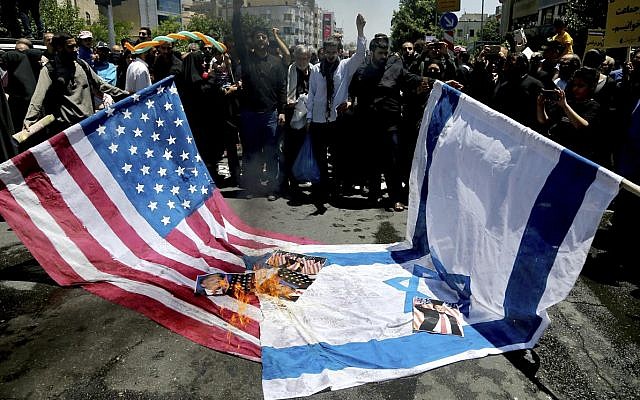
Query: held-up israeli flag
x=500 y=222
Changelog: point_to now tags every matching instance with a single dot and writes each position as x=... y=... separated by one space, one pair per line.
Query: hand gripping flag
x=123 y=205
x=500 y=222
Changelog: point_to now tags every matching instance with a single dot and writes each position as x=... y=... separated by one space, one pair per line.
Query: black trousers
x=386 y=157
x=322 y=140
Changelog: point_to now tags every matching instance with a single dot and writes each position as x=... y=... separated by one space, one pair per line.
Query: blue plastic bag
x=305 y=168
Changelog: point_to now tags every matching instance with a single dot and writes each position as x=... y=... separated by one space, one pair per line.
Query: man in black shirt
x=516 y=94
x=262 y=101
x=377 y=86
x=166 y=62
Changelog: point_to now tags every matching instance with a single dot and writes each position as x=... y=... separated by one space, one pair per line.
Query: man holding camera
x=516 y=94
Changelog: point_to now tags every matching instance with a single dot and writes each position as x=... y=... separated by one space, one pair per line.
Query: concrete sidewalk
x=69 y=344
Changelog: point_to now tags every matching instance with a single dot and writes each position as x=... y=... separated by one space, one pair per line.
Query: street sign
x=447 y=5
x=448 y=21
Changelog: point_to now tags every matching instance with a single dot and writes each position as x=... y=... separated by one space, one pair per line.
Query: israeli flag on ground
x=500 y=222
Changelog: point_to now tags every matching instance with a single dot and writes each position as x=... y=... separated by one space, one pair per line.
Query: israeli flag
x=500 y=223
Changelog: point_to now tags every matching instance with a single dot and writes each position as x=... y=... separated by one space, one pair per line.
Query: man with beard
x=262 y=101
x=377 y=86
x=566 y=67
x=548 y=70
x=408 y=54
x=64 y=89
x=166 y=62
x=517 y=93
x=328 y=91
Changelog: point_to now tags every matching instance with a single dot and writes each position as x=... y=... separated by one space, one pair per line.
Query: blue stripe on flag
x=442 y=112
x=551 y=218
x=394 y=353
x=364 y=258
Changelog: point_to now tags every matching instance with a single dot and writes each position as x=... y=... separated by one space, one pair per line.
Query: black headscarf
x=22 y=81
x=327 y=70
x=192 y=68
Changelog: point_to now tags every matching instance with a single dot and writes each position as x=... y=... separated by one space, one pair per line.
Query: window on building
x=459 y=33
x=562 y=9
x=87 y=17
x=472 y=32
x=547 y=16
x=287 y=17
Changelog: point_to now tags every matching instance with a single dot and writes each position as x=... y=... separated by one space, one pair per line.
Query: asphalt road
x=64 y=343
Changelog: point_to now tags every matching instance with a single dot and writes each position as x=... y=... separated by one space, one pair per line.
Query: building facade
x=87 y=9
x=534 y=16
x=299 y=21
x=469 y=27
x=147 y=12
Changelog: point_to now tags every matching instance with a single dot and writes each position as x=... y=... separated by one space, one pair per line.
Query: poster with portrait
x=436 y=316
x=220 y=284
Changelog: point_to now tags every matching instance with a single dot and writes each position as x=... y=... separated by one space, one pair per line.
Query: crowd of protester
x=361 y=109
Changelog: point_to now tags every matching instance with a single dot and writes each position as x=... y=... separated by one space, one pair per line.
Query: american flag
x=123 y=205
x=305 y=264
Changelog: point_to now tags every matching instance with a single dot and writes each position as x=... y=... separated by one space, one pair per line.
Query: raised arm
x=286 y=55
x=358 y=58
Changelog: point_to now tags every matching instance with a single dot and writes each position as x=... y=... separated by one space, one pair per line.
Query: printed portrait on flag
x=436 y=316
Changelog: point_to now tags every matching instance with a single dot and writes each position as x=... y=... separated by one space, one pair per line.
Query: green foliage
x=252 y=22
x=169 y=25
x=413 y=20
x=61 y=17
x=584 y=15
x=100 y=29
x=217 y=27
x=491 y=31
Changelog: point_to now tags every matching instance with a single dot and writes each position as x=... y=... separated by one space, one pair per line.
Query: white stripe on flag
x=223 y=255
x=85 y=151
x=83 y=209
x=85 y=269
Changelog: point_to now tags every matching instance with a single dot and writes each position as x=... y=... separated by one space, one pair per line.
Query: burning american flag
x=123 y=205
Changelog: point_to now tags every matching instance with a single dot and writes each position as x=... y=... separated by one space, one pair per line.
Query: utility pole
x=112 y=31
x=482 y=20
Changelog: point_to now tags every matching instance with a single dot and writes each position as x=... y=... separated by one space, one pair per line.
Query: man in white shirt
x=138 y=75
x=328 y=90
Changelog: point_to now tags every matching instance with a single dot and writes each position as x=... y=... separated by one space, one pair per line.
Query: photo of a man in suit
x=436 y=317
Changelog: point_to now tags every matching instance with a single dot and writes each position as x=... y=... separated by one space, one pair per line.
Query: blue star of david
x=411 y=289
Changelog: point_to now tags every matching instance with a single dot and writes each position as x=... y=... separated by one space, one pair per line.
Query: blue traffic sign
x=448 y=21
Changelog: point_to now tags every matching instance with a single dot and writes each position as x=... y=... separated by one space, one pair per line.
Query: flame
x=268 y=282
x=240 y=318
